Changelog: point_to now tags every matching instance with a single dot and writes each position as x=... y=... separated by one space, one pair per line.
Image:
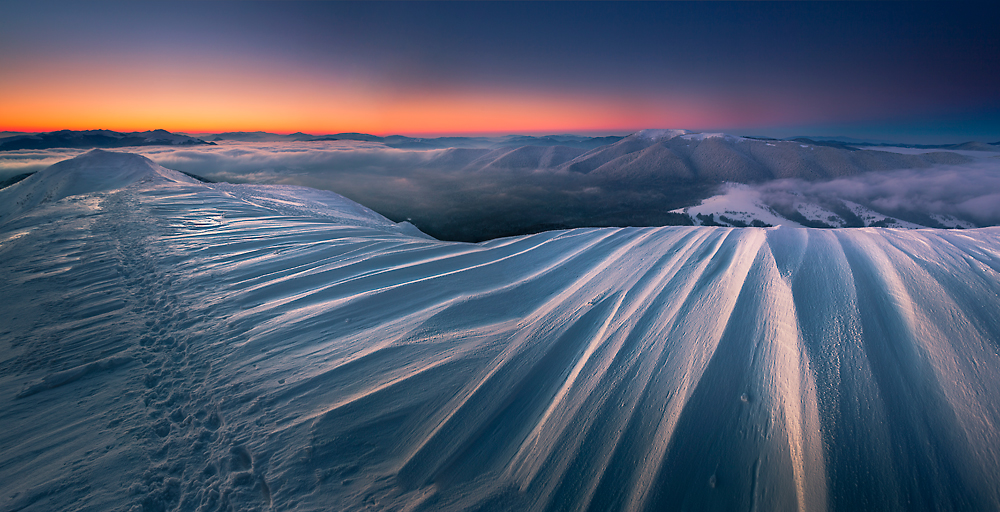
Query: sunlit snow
x=170 y=344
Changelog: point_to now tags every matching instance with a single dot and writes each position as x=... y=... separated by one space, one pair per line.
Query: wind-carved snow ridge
x=175 y=345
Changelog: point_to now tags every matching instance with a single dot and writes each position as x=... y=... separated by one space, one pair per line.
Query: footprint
x=162 y=428
x=213 y=422
x=266 y=491
x=177 y=416
x=240 y=459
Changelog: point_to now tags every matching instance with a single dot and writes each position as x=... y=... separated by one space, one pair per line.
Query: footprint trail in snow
x=175 y=345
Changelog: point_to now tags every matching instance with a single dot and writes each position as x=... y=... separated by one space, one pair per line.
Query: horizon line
x=748 y=133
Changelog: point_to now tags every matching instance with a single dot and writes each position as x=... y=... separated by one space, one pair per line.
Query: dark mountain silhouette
x=96 y=139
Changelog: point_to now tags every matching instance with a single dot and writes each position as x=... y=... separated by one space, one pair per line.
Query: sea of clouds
x=470 y=205
x=969 y=192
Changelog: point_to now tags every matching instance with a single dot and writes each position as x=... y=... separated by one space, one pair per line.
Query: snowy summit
x=175 y=345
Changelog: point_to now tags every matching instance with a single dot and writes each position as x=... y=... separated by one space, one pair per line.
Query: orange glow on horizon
x=419 y=116
x=214 y=97
x=430 y=117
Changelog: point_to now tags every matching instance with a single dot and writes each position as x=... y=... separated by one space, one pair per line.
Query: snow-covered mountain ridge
x=176 y=345
x=94 y=171
x=652 y=157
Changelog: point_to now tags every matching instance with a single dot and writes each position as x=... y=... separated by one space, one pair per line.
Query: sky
x=922 y=72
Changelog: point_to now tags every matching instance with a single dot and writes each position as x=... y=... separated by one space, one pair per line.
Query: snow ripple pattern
x=188 y=347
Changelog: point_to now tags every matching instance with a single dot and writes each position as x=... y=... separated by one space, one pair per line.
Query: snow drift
x=170 y=344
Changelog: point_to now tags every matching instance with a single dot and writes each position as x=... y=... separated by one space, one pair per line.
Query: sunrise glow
x=432 y=69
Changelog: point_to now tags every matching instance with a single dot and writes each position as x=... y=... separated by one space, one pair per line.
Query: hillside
x=171 y=344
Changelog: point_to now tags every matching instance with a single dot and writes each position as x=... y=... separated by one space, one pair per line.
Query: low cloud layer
x=969 y=192
x=438 y=195
x=470 y=204
x=13 y=163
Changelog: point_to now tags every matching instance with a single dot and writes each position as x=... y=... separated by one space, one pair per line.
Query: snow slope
x=741 y=205
x=175 y=345
x=736 y=203
x=95 y=171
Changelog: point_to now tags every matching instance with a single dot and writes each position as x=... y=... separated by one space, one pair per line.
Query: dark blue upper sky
x=916 y=71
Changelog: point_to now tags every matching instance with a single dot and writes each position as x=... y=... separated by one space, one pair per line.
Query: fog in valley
x=476 y=194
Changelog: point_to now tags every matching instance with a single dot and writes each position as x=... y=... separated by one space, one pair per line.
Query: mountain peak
x=94 y=171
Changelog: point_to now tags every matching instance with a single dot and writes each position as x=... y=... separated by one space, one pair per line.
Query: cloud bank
x=970 y=192
x=436 y=189
x=13 y=163
x=449 y=199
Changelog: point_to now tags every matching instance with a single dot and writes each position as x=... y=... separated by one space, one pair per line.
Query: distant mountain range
x=849 y=143
x=480 y=188
x=404 y=142
x=656 y=156
x=96 y=139
x=572 y=141
x=110 y=139
x=650 y=178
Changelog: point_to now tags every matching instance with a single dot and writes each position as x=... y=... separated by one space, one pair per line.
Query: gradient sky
x=913 y=72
